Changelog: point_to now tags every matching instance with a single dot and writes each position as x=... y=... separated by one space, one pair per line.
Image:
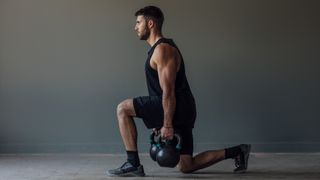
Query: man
x=170 y=106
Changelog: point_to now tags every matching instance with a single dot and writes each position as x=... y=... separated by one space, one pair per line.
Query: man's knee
x=184 y=168
x=120 y=108
x=125 y=108
x=185 y=165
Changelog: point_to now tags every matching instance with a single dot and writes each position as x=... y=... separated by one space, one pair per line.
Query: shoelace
x=125 y=165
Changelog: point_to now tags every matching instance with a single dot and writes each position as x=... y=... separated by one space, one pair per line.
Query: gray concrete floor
x=94 y=166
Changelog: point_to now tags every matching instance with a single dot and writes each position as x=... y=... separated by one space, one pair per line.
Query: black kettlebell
x=155 y=145
x=169 y=153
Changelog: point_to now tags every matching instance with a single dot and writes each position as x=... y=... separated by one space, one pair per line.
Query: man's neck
x=153 y=38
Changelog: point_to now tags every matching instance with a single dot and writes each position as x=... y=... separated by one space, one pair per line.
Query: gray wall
x=253 y=66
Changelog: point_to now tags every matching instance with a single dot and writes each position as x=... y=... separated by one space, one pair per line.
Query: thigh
x=149 y=108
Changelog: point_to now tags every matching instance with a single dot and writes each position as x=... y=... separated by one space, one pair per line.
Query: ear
x=150 y=24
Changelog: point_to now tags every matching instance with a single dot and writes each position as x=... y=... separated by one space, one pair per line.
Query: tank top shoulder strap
x=161 y=40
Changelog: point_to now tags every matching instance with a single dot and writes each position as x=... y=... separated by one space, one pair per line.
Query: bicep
x=164 y=57
x=167 y=76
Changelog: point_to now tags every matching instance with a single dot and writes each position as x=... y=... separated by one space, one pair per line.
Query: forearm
x=169 y=106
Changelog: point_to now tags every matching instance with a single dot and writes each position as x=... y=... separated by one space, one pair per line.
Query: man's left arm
x=167 y=69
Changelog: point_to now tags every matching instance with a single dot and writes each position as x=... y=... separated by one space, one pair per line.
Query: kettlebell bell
x=168 y=154
x=155 y=146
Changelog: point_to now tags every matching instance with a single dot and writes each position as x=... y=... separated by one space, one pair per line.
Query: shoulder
x=165 y=51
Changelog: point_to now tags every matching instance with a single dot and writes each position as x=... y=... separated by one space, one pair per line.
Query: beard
x=146 y=34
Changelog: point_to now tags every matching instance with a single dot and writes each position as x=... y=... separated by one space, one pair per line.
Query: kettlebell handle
x=179 y=141
x=152 y=137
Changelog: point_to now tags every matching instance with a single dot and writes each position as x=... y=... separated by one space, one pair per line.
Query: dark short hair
x=152 y=12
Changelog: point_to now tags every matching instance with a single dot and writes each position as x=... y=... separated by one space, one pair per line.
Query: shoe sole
x=128 y=174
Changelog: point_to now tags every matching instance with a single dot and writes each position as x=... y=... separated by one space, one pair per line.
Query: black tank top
x=185 y=112
x=154 y=88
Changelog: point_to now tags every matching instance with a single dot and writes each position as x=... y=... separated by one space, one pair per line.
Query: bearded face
x=142 y=28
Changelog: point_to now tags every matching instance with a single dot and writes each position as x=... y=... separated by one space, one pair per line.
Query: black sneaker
x=241 y=162
x=127 y=169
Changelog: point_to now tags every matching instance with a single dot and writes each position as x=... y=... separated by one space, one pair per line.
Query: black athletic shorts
x=150 y=109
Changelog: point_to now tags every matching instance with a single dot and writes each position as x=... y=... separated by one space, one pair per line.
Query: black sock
x=232 y=152
x=133 y=158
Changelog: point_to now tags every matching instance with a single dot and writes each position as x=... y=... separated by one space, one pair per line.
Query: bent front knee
x=125 y=108
x=120 y=109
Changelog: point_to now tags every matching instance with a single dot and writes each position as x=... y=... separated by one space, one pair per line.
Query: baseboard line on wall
x=274 y=147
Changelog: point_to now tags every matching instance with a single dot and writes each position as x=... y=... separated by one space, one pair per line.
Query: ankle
x=133 y=158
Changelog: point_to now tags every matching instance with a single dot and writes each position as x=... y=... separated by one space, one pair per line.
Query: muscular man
x=170 y=106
